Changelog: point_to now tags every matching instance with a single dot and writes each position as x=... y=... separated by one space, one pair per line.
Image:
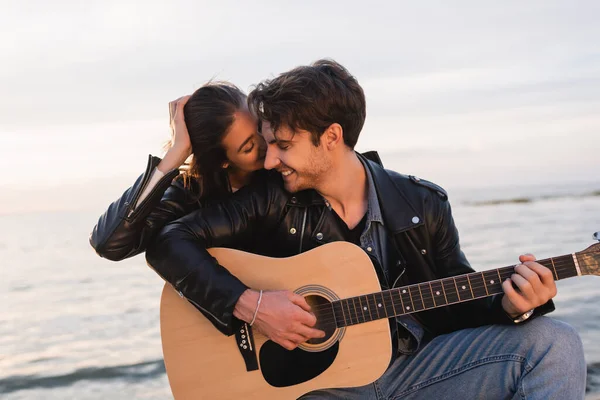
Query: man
x=311 y=118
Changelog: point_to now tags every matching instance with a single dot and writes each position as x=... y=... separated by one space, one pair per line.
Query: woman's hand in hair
x=181 y=137
x=181 y=146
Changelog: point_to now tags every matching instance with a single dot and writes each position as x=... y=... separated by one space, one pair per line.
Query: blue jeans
x=542 y=359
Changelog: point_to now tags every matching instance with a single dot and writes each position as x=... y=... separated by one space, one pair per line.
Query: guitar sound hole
x=323 y=311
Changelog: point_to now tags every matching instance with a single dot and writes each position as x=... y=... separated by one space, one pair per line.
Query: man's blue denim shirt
x=377 y=243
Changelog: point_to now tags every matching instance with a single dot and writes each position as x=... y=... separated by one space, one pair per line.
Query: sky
x=464 y=93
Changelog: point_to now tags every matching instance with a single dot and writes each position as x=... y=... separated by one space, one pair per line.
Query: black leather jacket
x=266 y=219
x=123 y=232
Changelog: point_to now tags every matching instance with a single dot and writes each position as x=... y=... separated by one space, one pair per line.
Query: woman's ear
x=225 y=165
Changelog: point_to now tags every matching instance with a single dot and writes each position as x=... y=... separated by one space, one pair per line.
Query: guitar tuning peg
x=596 y=236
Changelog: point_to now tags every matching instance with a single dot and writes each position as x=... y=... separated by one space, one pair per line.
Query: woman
x=216 y=127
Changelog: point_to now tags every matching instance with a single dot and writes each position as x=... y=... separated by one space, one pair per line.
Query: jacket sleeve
x=180 y=257
x=451 y=260
x=124 y=230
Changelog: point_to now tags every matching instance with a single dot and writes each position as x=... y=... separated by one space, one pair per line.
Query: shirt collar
x=373 y=208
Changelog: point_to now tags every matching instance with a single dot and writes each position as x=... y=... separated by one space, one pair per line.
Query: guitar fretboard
x=438 y=293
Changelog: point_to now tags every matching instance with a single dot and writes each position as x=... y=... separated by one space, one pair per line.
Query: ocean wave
x=531 y=199
x=131 y=372
x=593 y=378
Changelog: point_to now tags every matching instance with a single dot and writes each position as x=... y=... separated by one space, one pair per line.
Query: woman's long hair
x=209 y=114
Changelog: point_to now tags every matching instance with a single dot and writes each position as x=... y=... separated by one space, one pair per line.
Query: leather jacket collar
x=399 y=213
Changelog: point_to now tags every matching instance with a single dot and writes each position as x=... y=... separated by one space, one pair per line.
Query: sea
x=76 y=326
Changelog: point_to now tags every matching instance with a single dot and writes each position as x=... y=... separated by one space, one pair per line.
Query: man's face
x=300 y=162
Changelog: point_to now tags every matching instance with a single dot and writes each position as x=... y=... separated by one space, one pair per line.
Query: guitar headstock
x=589 y=259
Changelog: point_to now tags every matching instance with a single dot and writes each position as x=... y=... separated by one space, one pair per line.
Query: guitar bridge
x=245 y=344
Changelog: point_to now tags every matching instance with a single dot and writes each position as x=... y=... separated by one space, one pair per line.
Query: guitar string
x=446 y=296
x=331 y=321
x=560 y=267
x=353 y=309
x=356 y=316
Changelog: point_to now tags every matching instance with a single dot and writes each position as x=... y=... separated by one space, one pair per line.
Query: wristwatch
x=524 y=316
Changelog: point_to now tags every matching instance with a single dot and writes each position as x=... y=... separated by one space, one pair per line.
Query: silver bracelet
x=257 y=305
x=524 y=316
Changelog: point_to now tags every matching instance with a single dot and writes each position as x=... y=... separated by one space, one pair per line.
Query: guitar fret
x=373 y=306
x=506 y=272
x=406 y=301
x=421 y=296
x=338 y=306
x=493 y=285
x=343 y=313
x=477 y=282
x=456 y=287
x=444 y=291
x=568 y=268
x=428 y=302
x=414 y=297
x=411 y=299
x=450 y=291
x=379 y=306
x=484 y=284
x=379 y=309
x=554 y=269
x=401 y=303
x=389 y=292
x=440 y=295
x=463 y=288
x=387 y=305
x=470 y=286
x=382 y=303
x=357 y=315
x=362 y=309
x=432 y=296
x=369 y=308
x=349 y=312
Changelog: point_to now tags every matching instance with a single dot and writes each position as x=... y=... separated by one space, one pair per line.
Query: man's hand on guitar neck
x=535 y=284
x=283 y=316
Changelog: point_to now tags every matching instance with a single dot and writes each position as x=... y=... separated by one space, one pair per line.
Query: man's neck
x=346 y=189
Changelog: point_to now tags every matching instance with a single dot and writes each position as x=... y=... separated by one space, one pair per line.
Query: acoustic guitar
x=339 y=282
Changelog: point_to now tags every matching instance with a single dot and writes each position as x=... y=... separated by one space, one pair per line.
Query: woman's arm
x=154 y=199
x=130 y=222
x=179 y=252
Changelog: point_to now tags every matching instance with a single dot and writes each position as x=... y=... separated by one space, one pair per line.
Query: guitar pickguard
x=281 y=367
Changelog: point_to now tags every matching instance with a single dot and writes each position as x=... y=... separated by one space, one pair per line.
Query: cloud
x=463 y=76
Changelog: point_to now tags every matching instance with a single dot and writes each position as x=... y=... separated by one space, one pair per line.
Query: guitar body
x=202 y=363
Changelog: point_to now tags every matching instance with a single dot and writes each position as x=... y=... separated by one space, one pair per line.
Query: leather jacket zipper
x=302 y=230
x=201 y=308
x=149 y=196
x=141 y=189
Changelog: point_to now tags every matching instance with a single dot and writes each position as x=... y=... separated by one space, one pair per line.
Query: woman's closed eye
x=248 y=148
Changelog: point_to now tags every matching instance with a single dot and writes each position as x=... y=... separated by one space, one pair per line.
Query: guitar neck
x=439 y=293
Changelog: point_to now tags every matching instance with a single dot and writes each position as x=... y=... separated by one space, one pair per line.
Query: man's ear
x=333 y=136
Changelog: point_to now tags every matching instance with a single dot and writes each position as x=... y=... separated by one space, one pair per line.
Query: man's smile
x=286 y=172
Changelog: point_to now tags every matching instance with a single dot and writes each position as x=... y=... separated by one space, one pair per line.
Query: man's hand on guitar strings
x=535 y=287
x=283 y=316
